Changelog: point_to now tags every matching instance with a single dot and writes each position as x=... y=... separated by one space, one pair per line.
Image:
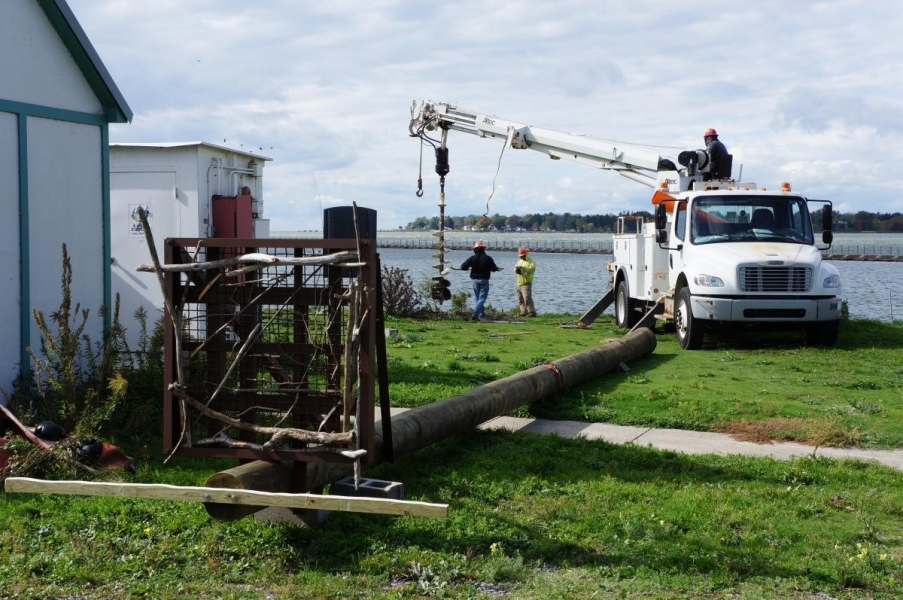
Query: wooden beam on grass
x=160 y=491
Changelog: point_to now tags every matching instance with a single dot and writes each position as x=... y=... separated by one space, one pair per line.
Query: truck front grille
x=775 y=279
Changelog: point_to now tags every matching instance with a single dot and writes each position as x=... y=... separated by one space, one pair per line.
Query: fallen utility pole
x=430 y=424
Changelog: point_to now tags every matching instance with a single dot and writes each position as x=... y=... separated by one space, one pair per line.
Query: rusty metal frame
x=216 y=296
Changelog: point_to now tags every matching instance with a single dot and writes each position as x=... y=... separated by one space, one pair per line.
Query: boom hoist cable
x=439 y=286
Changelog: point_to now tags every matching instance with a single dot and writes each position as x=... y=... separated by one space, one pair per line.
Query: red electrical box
x=232 y=217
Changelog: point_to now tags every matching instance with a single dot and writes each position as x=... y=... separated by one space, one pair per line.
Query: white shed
x=181 y=186
x=56 y=103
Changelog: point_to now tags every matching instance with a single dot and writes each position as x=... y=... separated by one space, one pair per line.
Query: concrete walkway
x=689 y=442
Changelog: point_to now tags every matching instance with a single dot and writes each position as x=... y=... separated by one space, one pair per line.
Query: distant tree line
x=569 y=222
x=529 y=222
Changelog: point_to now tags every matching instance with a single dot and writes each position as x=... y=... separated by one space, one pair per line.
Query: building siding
x=65 y=206
x=43 y=70
x=10 y=307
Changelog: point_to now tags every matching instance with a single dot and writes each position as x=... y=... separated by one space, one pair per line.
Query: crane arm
x=636 y=163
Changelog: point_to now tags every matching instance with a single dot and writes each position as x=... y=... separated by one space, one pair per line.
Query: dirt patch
x=781 y=429
x=830 y=432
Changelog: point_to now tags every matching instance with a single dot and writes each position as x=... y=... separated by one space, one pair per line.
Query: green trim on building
x=23 y=111
x=24 y=245
x=114 y=110
x=67 y=27
x=107 y=233
x=46 y=112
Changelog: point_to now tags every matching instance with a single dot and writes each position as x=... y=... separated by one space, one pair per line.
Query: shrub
x=400 y=297
x=459 y=301
x=88 y=386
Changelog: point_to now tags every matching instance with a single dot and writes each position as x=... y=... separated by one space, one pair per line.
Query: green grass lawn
x=536 y=516
x=758 y=385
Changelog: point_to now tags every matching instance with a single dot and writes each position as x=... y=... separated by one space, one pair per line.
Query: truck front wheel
x=690 y=330
x=625 y=313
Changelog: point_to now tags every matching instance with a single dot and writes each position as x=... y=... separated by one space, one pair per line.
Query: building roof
x=116 y=109
x=185 y=145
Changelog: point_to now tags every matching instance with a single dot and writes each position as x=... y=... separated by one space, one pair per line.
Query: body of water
x=572 y=283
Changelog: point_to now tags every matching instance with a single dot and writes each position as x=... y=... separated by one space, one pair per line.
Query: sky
x=805 y=92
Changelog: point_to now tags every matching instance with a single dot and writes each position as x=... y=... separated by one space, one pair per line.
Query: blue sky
x=806 y=92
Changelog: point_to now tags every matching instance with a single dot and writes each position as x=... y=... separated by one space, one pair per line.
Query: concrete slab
x=891 y=458
x=702 y=442
x=613 y=434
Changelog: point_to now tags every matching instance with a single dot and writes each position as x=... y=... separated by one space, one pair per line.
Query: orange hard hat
x=710 y=132
x=522 y=251
x=479 y=244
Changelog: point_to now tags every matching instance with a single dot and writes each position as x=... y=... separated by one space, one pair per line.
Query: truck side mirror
x=661 y=217
x=826 y=218
x=661 y=224
x=827 y=237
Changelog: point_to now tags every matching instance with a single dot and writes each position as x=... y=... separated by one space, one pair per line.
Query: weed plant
x=84 y=385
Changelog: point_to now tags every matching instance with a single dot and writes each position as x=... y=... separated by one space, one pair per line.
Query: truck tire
x=822 y=333
x=690 y=330
x=625 y=307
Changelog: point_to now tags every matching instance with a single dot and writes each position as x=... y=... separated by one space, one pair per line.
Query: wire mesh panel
x=275 y=347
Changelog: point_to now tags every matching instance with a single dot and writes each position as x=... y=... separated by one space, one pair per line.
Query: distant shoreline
x=845 y=246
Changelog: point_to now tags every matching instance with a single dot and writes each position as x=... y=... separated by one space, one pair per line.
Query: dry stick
x=354 y=351
x=277 y=434
x=249 y=341
x=276 y=279
x=253 y=258
x=167 y=301
x=176 y=325
x=347 y=397
x=235 y=316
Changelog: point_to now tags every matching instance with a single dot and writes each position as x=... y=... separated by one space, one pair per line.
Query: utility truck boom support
x=719 y=251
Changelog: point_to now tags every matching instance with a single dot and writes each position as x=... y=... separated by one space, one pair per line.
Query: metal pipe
x=427 y=425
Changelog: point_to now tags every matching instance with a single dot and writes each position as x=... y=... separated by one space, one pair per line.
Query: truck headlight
x=831 y=281
x=708 y=281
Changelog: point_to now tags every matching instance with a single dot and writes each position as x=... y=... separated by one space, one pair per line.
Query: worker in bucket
x=480 y=266
x=523 y=279
x=716 y=151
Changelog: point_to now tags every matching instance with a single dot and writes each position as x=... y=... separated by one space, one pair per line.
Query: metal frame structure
x=269 y=346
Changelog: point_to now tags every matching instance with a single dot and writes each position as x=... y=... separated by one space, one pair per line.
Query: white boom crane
x=636 y=163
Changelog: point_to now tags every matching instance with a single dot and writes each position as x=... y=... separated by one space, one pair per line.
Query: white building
x=186 y=188
x=56 y=103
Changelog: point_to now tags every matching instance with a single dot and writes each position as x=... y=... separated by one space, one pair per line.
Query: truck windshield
x=721 y=219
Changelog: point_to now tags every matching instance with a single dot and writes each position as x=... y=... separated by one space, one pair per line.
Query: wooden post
x=227 y=497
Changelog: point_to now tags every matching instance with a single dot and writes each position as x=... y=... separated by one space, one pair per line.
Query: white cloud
x=803 y=90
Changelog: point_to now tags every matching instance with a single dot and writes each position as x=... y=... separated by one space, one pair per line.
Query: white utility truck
x=718 y=250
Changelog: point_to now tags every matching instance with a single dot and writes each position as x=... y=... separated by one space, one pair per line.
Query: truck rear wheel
x=822 y=333
x=625 y=307
x=690 y=330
